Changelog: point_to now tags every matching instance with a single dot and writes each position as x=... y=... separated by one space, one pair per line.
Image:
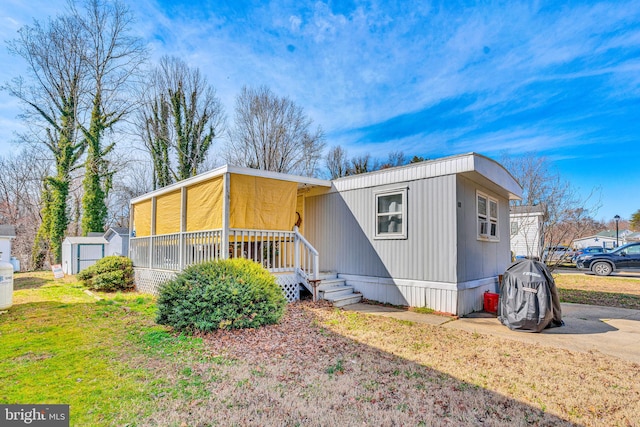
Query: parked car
x=624 y=258
x=557 y=254
x=589 y=250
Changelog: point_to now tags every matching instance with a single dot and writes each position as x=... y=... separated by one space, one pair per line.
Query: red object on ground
x=491 y=302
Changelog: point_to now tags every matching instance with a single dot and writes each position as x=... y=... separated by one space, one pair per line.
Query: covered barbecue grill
x=529 y=300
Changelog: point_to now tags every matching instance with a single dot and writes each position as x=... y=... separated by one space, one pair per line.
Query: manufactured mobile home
x=527 y=231
x=432 y=234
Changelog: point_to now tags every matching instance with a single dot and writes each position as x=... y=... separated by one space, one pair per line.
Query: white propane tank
x=6 y=284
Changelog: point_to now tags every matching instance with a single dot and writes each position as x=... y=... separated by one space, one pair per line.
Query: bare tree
x=337 y=163
x=154 y=124
x=566 y=212
x=395 y=158
x=20 y=191
x=181 y=114
x=273 y=133
x=136 y=179
x=363 y=164
x=79 y=67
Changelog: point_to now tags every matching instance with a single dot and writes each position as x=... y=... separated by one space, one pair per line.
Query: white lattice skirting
x=290 y=285
x=149 y=281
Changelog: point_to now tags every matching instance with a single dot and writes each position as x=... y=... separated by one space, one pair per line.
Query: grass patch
x=61 y=345
x=422 y=310
x=319 y=366
x=614 y=291
x=607 y=299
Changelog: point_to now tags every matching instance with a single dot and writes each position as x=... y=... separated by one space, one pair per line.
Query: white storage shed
x=118 y=238
x=79 y=253
x=7 y=234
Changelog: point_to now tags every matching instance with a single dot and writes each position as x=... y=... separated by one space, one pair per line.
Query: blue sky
x=559 y=79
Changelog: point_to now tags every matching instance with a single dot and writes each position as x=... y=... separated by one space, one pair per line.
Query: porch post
x=152 y=231
x=224 y=247
x=183 y=227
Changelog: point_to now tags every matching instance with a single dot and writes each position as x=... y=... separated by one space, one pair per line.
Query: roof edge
x=238 y=170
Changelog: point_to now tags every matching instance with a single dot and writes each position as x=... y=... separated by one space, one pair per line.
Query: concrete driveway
x=612 y=331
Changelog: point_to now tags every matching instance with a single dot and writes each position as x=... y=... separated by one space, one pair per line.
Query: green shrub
x=112 y=273
x=224 y=294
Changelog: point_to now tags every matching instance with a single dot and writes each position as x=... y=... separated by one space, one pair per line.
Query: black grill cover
x=529 y=300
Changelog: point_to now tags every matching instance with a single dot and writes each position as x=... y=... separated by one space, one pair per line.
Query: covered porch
x=228 y=212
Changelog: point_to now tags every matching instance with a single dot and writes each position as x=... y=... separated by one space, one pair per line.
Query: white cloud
x=295 y=22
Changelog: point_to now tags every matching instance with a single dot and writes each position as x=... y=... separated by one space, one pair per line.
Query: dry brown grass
x=615 y=291
x=588 y=282
x=328 y=367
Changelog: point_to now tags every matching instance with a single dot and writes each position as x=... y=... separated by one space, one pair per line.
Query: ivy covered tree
x=78 y=65
x=111 y=56
x=179 y=120
x=52 y=99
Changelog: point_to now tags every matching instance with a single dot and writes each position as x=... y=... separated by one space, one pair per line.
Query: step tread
x=337 y=289
x=349 y=299
x=343 y=297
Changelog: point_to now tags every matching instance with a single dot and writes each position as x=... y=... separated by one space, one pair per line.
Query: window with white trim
x=487 y=213
x=391 y=214
x=514 y=228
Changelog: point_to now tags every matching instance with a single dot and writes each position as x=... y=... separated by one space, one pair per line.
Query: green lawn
x=63 y=345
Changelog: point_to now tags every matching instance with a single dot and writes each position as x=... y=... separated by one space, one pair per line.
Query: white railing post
x=296 y=250
x=316 y=266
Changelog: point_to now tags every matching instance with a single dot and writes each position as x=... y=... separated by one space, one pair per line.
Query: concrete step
x=334 y=292
x=330 y=283
x=327 y=275
x=346 y=300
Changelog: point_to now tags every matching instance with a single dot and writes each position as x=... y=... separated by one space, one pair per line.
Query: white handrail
x=309 y=265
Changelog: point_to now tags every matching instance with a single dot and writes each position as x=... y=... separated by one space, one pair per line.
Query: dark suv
x=625 y=257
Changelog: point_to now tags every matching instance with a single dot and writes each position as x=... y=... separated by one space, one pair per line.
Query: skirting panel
x=458 y=299
x=149 y=281
x=290 y=285
x=472 y=299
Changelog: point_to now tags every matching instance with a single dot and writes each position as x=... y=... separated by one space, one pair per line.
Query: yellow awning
x=204 y=205
x=142 y=218
x=168 y=207
x=261 y=203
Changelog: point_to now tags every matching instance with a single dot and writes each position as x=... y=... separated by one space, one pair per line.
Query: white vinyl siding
x=391 y=212
x=487 y=213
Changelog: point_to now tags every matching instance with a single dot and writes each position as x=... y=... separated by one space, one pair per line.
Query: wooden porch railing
x=277 y=251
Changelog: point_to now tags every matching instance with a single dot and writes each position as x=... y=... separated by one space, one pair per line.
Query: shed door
x=88 y=254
